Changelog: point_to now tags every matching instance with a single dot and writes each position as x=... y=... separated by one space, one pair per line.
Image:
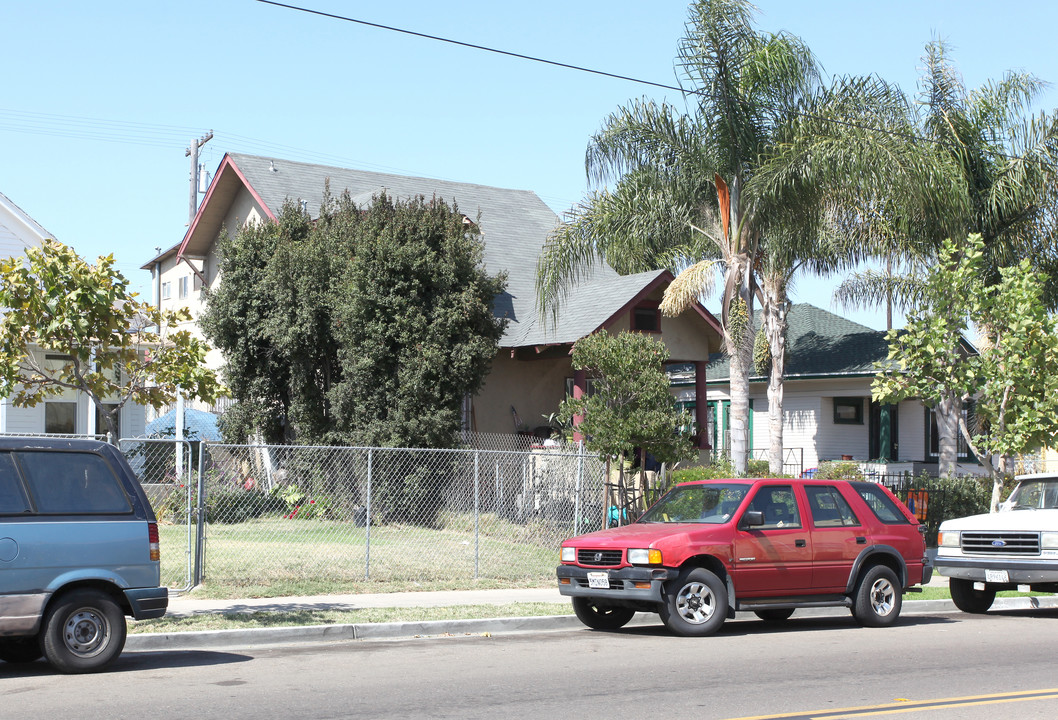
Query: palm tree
x=743 y=184
x=1005 y=164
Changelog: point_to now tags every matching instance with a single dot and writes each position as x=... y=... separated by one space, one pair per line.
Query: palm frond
x=688 y=287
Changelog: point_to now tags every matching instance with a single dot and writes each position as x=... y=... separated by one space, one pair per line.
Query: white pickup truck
x=1017 y=546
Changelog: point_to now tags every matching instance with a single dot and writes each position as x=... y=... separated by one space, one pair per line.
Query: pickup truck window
x=779 y=506
x=711 y=504
x=73 y=483
x=828 y=507
x=1039 y=495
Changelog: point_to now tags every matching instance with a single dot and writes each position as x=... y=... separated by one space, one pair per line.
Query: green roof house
x=827 y=407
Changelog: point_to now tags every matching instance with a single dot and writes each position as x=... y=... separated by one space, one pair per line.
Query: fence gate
x=168 y=471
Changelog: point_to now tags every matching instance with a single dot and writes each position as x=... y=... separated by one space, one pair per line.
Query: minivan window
x=12 y=499
x=64 y=483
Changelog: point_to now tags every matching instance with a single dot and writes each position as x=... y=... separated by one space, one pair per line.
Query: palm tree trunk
x=775 y=322
x=741 y=355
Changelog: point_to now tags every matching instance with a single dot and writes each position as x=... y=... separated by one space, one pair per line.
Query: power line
x=472 y=46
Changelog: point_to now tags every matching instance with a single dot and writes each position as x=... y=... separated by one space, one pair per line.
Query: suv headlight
x=644 y=556
x=948 y=538
x=569 y=554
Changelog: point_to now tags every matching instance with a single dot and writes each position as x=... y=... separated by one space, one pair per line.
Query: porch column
x=701 y=407
x=580 y=386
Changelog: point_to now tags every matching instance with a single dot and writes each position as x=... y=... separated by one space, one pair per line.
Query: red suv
x=707 y=549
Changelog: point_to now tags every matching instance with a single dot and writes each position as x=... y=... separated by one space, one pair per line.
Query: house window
x=60 y=418
x=197 y=283
x=646 y=318
x=590 y=387
x=167 y=290
x=181 y=287
x=848 y=411
x=101 y=423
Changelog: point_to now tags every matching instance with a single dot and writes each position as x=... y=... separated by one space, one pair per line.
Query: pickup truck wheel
x=695 y=604
x=20 y=649
x=601 y=617
x=878 y=598
x=969 y=600
x=83 y=632
x=774 y=615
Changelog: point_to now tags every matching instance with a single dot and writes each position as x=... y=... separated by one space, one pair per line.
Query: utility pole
x=192 y=151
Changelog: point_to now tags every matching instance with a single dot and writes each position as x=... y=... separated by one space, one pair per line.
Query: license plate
x=599 y=580
x=997 y=576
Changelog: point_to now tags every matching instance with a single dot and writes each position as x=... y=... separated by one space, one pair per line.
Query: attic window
x=646 y=317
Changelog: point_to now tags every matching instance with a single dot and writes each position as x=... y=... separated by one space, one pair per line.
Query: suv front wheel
x=695 y=604
x=83 y=632
x=878 y=598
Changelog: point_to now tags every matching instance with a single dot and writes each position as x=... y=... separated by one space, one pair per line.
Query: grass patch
x=296 y=618
x=274 y=556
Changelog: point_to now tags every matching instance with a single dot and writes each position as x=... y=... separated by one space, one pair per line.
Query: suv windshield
x=713 y=503
x=1034 y=495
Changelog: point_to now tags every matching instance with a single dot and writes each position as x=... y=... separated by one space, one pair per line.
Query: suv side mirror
x=752 y=518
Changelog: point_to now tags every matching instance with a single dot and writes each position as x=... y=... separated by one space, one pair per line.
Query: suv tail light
x=152 y=539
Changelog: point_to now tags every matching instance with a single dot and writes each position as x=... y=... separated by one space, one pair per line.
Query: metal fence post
x=200 y=511
x=496 y=500
x=367 y=519
x=477 y=513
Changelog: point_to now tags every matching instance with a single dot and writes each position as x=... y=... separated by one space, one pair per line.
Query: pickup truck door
x=773 y=559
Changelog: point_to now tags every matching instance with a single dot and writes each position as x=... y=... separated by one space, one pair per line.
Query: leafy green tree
x=114 y=348
x=264 y=319
x=1014 y=377
x=748 y=174
x=631 y=406
x=365 y=326
x=412 y=315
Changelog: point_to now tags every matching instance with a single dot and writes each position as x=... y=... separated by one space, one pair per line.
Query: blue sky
x=101 y=99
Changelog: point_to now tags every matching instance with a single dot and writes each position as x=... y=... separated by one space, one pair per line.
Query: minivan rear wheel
x=878 y=597
x=83 y=632
x=20 y=649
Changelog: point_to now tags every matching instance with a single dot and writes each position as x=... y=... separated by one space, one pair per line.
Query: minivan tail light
x=152 y=539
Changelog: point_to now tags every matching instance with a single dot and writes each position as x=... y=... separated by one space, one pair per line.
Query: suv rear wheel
x=695 y=604
x=878 y=598
x=601 y=617
x=83 y=631
x=969 y=600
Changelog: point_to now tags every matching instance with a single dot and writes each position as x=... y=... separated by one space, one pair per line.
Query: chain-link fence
x=298 y=520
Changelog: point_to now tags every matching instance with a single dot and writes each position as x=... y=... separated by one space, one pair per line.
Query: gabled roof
x=17 y=228
x=514 y=226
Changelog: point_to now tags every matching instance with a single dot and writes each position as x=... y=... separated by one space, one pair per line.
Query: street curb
x=286 y=636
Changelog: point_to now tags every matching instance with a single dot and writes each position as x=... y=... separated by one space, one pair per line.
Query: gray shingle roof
x=514 y=226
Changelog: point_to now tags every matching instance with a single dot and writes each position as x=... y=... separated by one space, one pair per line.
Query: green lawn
x=272 y=556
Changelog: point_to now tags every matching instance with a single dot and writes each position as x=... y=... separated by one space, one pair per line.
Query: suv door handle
x=861 y=540
x=800 y=543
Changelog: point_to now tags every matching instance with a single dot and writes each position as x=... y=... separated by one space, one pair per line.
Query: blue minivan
x=78 y=552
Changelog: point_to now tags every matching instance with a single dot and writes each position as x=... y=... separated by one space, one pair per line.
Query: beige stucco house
x=532 y=371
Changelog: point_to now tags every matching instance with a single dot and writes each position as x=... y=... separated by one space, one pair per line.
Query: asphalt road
x=928 y=666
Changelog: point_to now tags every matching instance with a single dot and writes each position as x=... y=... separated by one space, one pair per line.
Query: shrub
x=845 y=470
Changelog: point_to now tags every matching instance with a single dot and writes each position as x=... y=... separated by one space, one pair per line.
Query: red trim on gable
x=225 y=164
x=664 y=279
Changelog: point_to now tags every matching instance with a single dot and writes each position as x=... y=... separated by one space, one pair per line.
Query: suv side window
x=880 y=503
x=828 y=507
x=12 y=498
x=73 y=483
x=779 y=506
